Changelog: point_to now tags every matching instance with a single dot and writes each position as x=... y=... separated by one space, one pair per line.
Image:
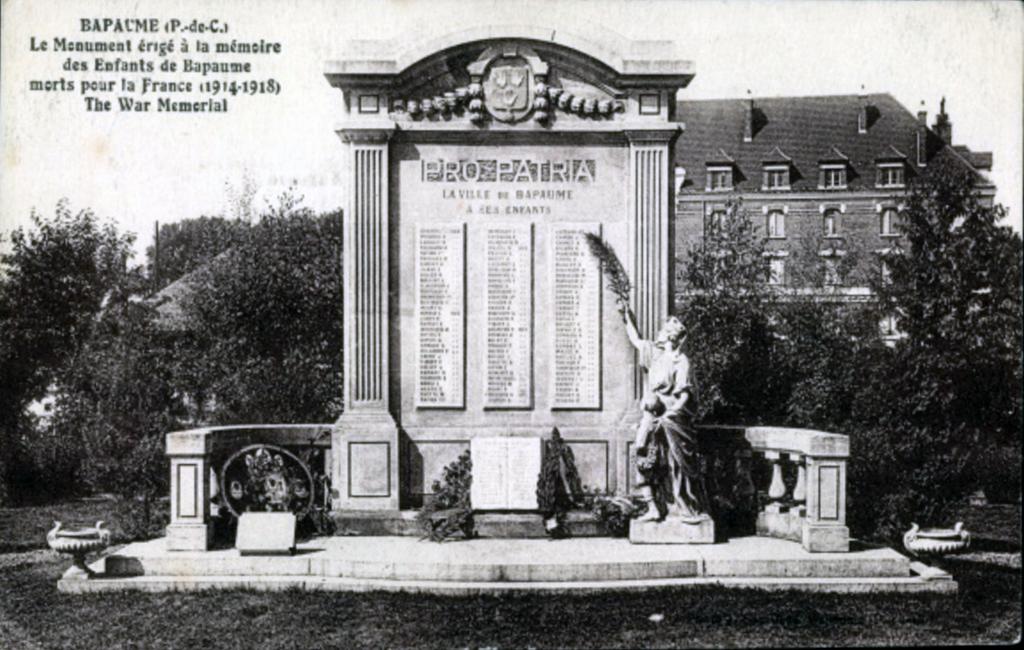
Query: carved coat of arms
x=508 y=90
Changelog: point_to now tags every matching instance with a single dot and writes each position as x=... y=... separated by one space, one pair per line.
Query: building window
x=717 y=220
x=830 y=223
x=887 y=223
x=890 y=176
x=776 y=271
x=719 y=179
x=776 y=178
x=885 y=272
x=889 y=328
x=833 y=178
x=776 y=224
x=831 y=272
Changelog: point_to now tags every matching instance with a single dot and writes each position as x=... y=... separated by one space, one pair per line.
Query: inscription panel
x=508 y=305
x=440 y=313
x=576 y=319
x=505 y=473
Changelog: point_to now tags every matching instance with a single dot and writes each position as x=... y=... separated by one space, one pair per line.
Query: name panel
x=440 y=313
x=508 y=304
x=576 y=319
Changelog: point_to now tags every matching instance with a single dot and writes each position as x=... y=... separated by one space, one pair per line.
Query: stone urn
x=78 y=543
x=936 y=542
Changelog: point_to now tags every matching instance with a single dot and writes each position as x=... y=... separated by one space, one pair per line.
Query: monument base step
x=494 y=525
x=509 y=565
x=672 y=531
x=285 y=583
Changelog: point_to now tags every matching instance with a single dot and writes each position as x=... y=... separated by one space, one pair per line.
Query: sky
x=139 y=168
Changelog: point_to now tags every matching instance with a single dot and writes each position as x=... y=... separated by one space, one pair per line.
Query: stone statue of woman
x=667 y=460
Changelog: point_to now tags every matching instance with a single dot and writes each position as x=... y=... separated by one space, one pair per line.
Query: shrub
x=614 y=513
x=1000 y=473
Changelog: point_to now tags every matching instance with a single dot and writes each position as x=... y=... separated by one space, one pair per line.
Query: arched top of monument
x=599 y=56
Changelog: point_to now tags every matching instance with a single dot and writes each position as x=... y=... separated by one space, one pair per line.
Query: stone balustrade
x=813 y=510
x=805 y=489
x=193 y=477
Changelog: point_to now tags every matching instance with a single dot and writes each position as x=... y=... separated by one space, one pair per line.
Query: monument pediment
x=513 y=76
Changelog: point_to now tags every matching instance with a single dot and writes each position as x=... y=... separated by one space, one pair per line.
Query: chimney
x=862 y=113
x=922 y=137
x=943 y=127
x=748 y=119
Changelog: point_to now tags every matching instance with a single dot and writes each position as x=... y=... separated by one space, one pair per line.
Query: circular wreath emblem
x=266 y=478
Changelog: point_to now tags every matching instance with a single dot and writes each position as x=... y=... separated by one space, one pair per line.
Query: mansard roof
x=806 y=129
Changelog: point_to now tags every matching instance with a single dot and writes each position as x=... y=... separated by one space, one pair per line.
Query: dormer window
x=720 y=168
x=833 y=177
x=890 y=168
x=776 y=167
x=719 y=179
x=890 y=175
x=776 y=177
x=832 y=170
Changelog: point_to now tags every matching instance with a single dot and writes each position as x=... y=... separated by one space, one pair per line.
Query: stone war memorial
x=483 y=168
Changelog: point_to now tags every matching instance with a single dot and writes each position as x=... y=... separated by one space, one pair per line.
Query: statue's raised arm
x=631 y=330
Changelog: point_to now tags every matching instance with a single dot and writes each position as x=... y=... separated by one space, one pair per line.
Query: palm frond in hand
x=618 y=281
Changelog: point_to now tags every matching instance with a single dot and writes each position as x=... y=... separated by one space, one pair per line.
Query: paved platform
x=510 y=565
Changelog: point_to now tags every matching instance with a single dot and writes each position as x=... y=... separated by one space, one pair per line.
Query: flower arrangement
x=448 y=512
x=558 y=485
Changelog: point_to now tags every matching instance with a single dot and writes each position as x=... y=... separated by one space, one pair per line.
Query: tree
x=115 y=401
x=264 y=320
x=53 y=283
x=188 y=245
x=955 y=290
x=824 y=343
x=726 y=306
x=952 y=385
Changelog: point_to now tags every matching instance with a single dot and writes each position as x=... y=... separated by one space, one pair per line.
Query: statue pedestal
x=672 y=531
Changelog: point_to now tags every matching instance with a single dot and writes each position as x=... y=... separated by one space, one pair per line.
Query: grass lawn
x=987 y=610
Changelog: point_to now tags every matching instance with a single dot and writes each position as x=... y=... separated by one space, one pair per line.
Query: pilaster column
x=649 y=208
x=365 y=440
x=190 y=528
x=824 y=527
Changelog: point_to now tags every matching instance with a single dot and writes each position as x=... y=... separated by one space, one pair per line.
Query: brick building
x=821 y=174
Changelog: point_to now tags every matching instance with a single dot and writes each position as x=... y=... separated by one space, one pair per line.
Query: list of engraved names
x=440 y=309
x=509 y=309
x=576 y=288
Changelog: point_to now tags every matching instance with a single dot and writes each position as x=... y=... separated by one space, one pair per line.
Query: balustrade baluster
x=800 y=490
x=777 y=489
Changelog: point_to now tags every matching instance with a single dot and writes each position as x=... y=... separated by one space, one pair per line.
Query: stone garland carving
x=471 y=98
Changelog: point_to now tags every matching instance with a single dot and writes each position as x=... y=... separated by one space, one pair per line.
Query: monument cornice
x=652 y=136
x=366 y=134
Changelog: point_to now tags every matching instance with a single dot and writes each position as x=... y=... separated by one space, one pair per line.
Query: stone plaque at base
x=672 y=531
x=505 y=472
x=266 y=533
